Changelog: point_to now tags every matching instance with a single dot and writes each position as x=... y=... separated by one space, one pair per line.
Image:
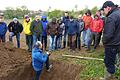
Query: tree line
x=19 y=12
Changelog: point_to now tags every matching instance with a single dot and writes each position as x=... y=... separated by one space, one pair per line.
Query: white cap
x=15 y=19
x=38 y=43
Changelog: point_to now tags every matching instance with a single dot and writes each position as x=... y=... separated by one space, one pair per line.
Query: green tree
x=94 y=9
x=55 y=13
x=9 y=12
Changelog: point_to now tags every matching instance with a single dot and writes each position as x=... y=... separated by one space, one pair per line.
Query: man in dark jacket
x=65 y=21
x=72 y=30
x=15 y=28
x=3 y=28
x=111 y=37
x=44 y=31
x=36 y=29
x=80 y=28
x=52 y=31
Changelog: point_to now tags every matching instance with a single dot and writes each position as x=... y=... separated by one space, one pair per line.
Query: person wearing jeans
x=15 y=28
x=79 y=30
x=39 y=58
x=86 y=32
x=3 y=29
x=65 y=20
x=59 y=35
x=36 y=29
x=52 y=31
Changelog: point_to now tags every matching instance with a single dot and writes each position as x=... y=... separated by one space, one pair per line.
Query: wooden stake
x=79 y=57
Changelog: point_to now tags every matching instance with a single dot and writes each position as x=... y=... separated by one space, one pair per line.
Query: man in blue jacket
x=3 y=28
x=65 y=20
x=44 y=31
x=111 y=37
x=38 y=60
x=72 y=30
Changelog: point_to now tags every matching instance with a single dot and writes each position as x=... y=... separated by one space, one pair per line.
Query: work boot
x=50 y=66
x=108 y=76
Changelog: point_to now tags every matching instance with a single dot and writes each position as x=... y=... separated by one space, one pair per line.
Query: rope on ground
x=80 y=57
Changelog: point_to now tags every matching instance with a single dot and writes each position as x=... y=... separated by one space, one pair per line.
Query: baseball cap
x=26 y=16
x=38 y=43
x=15 y=19
x=108 y=3
x=1 y=14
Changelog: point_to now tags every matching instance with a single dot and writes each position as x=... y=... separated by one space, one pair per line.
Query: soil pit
x=15 y=64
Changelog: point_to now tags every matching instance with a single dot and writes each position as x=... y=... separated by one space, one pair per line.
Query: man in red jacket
x=96 y=27
x=86 y=35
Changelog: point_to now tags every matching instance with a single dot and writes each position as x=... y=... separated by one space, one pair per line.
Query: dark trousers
x=78 y=41
x=95 y=39
x=37 y=73
x=99 y=38
x=44 y=42
x=2 y=38
x=71 y=39
x=110 y=57
x=29 y=41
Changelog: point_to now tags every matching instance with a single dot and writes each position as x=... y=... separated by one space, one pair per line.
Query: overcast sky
x=55 y=4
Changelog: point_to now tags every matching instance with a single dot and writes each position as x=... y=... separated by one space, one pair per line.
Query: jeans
x=2 y=38
x=29 y=42
x=95 y=38
x=36 y=37
x=65 y=39
x=17 y=37
x=78 y=41
x=110 y=57
x=58 y=41
x=52 y=39
x=86 y=37
x=44 y=42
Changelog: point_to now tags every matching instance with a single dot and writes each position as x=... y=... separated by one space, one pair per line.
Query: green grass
x=92 y=69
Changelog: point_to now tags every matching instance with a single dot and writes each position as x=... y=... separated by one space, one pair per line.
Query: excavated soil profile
x=15 y=64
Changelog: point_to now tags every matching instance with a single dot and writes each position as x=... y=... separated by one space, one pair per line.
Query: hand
x=48 y=53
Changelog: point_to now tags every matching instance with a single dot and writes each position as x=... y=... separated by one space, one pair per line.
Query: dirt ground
x=15 y=64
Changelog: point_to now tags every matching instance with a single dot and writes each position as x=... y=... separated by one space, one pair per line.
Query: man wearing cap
x=80 y=28
x=15 y=28
x=44 y=31
x=111 y=37
x=52 y=31
x=36 y=29
x=3 y=28
x=28 y=34
x=65 y=20
x=38 y=60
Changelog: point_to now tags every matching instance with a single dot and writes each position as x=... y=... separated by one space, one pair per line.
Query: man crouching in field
x=38 y=60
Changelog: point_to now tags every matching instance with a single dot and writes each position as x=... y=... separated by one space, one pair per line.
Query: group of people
x=62 y=32
x=68 y=31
